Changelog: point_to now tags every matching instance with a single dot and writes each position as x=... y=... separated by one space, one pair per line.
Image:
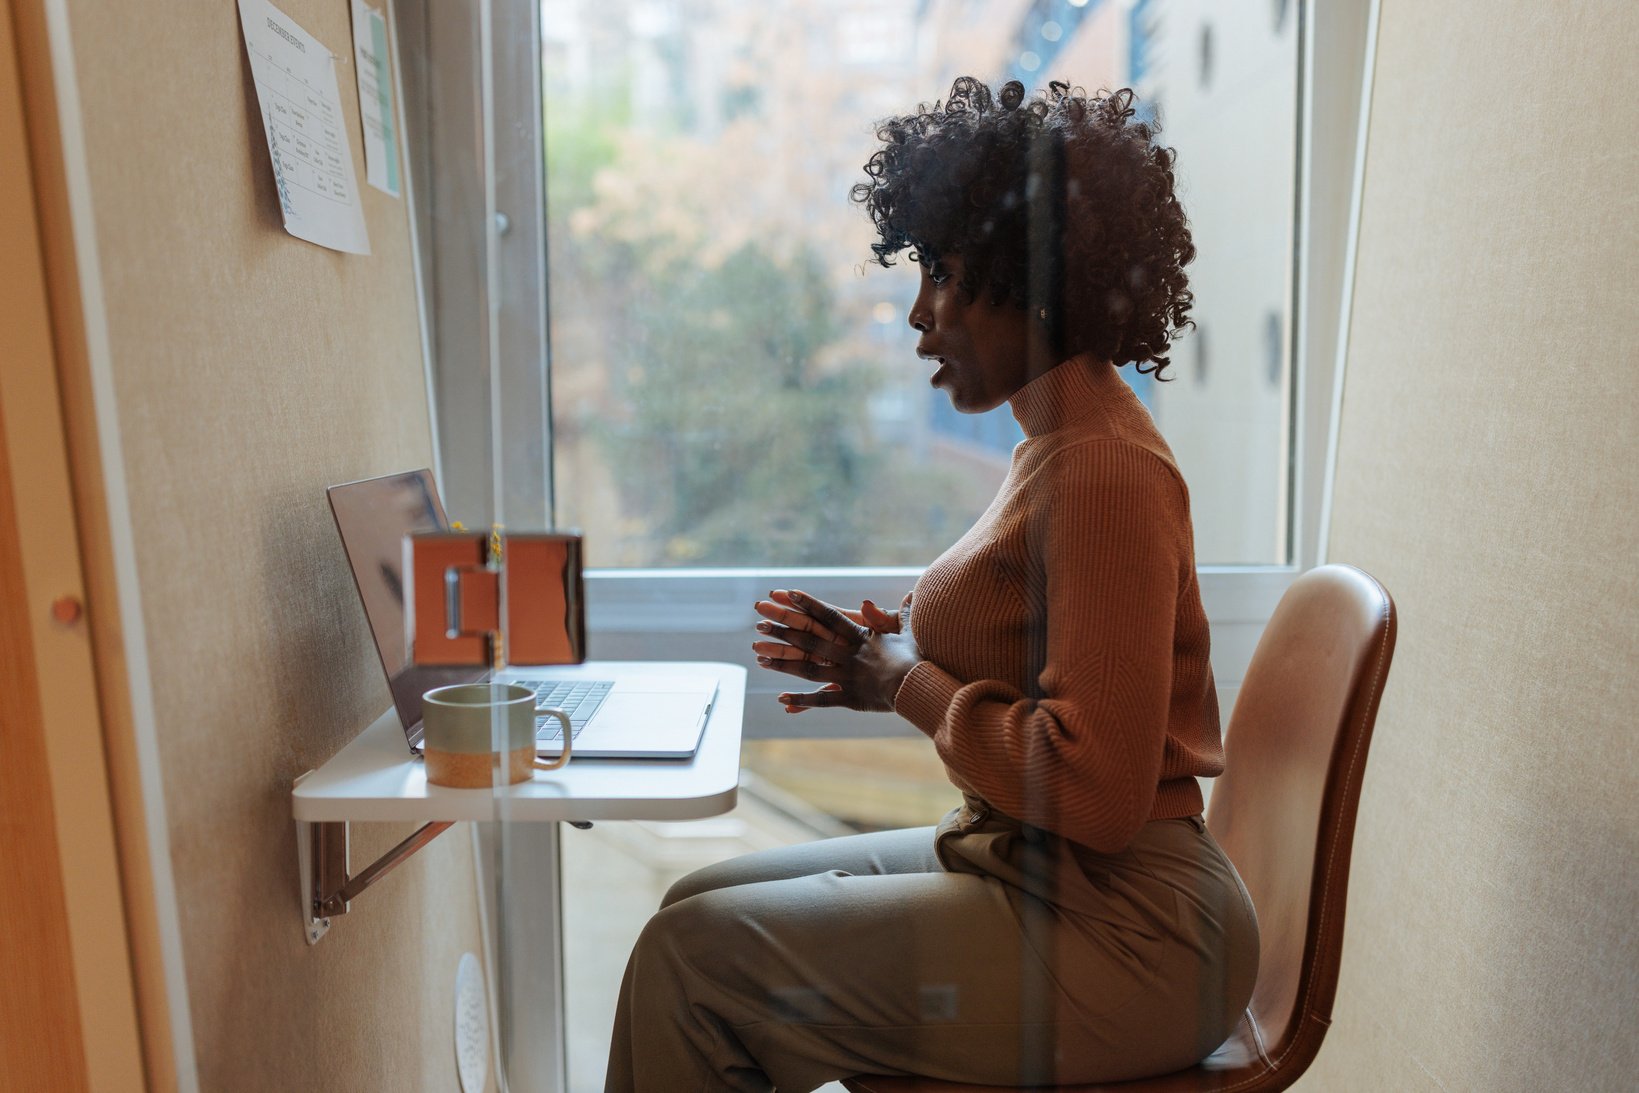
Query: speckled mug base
x=476 y=770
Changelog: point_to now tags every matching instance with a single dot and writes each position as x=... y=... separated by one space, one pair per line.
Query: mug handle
x=568 y=738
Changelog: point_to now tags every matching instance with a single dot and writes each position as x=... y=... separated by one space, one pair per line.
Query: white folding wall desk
x=375 y=778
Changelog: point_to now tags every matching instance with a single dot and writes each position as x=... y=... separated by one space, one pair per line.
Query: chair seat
x=1239 y=1065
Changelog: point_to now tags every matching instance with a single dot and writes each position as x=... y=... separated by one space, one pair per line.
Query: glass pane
x=733 y=387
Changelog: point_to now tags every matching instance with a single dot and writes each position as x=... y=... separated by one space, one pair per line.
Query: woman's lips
x=943 y=366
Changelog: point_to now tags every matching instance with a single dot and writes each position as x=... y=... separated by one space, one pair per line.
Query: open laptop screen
x=373 y=517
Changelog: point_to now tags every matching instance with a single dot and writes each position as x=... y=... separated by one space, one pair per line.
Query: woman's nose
x=918 y=317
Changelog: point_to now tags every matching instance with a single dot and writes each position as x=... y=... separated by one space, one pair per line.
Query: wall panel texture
x=251 y=370
x=1488 y=474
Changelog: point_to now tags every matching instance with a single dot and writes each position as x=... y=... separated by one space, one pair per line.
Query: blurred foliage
x=733 y=414
x=579 y=145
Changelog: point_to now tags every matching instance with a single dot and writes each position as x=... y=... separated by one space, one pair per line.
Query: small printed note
x=375 y=97
x=306 y=131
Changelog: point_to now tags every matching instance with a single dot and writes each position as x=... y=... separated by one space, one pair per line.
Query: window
x=734 y=387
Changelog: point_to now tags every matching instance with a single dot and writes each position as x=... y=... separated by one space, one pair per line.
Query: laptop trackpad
x=646 y=723
x=648 y=713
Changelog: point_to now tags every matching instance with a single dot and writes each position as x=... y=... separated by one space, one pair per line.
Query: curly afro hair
x=1059 y=202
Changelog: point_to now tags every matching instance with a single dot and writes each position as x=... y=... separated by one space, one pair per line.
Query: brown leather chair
x=1284 y=811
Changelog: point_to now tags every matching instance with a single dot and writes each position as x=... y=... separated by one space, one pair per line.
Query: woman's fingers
x=778 y=610
x=846 y=630
x=877 y=619
x=798 y=624
x=806 y=669
x=824 y=617
x=779 y=650
x=785 y=615
x=829 y=695
x=807 y=641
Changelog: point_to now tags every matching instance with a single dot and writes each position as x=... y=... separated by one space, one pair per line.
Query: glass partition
x=653 y=319
x=733 y=385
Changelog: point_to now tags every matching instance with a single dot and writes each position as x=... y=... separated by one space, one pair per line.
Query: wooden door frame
x=80 y=812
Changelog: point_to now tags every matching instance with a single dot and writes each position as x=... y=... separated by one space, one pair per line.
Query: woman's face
x=980 y=347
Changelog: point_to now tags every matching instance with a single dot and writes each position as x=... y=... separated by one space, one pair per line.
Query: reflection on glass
x=731 y=387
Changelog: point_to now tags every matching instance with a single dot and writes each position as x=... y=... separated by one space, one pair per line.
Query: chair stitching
x=1257 y=1036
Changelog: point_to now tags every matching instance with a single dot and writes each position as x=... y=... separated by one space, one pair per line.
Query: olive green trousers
x=1029 y=960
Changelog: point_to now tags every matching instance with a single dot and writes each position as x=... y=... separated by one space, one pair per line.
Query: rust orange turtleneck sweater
x=1067 y=681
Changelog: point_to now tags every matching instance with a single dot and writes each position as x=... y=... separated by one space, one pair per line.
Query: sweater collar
x=1062 y=394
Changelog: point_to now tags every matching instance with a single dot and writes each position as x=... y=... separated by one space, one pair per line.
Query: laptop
x=613 y=714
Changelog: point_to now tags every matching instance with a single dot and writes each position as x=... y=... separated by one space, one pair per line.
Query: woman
x=1073 y=920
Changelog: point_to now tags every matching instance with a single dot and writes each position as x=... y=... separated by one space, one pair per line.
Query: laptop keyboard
x=579 y=699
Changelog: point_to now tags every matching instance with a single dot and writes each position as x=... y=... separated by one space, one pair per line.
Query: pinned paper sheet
x=306 y=132
x=375 y=97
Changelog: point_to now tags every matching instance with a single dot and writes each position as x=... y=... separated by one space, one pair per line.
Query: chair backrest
x=1284 y=809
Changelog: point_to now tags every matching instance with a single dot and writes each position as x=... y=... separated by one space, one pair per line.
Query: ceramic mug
x=471 y=731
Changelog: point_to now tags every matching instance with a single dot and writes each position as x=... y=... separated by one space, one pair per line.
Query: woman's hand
x=778 y=608
x=861 y=656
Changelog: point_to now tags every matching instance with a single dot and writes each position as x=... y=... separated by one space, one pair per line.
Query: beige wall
x=1487 y=474
x=249 y=371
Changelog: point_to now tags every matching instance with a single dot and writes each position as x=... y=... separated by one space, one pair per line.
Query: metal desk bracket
x=321 y=855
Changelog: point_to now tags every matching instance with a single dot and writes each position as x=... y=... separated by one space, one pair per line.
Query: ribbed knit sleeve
x=1102 y=545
